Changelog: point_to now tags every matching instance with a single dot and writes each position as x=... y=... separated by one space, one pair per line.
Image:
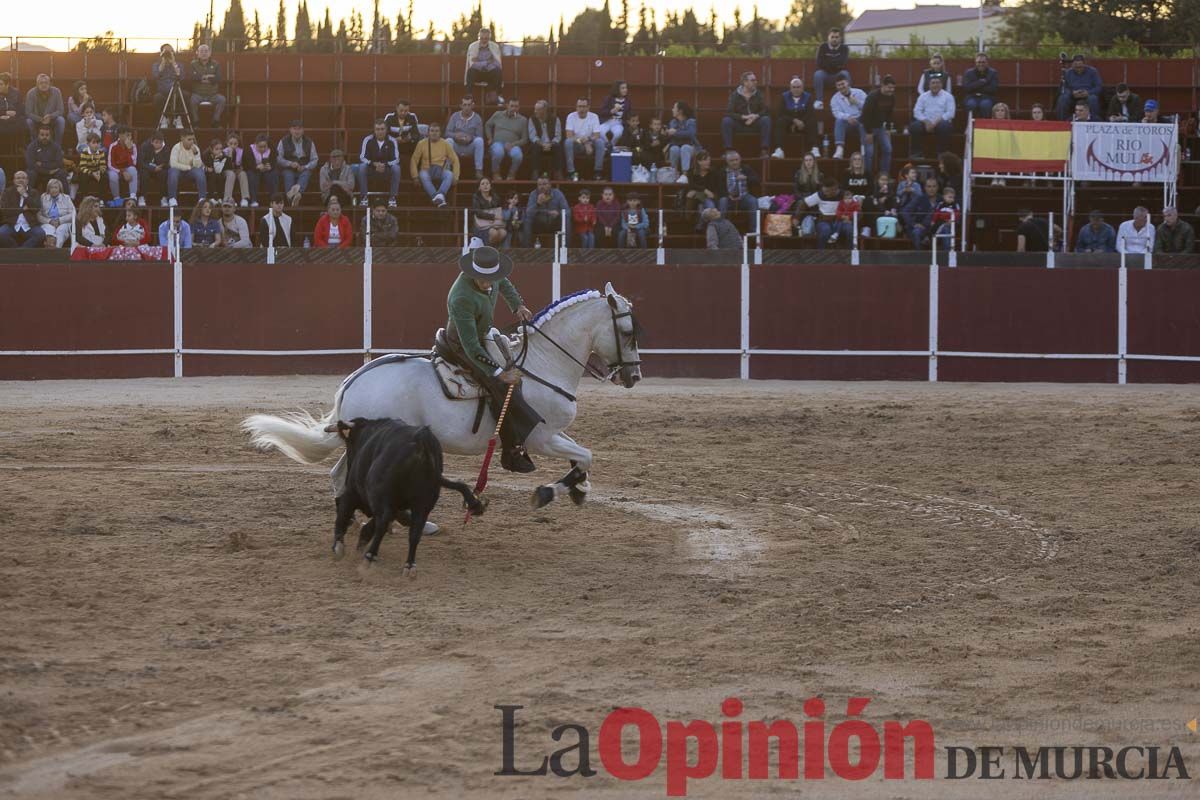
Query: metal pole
x=744 y=340
x=980 y=39
x=1122 y=320
x=556 y=273
x=1050 y=249
x=466 y=230
x=661 y=256
x=367 y=283
x=933 y=321
x=952 y=253
x=854 y=252
x=177 y=279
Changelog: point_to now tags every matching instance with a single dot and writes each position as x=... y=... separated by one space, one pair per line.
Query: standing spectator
x=296 y=158
x=608 y=218
x=703 y=187
x=206 y=85
x=167 y=74
x=979 y=88
x=19 y=206
x=634 y=223
x=217 y=168
x=236 y=168
x=747 y=112
x=464 y=131
x=878 y=120
x=934 y=113
x=918 y=214
x=507 y=136
x=487 y=209
x=738 y=186
x=56 y=209
x=44 y=159
x=1033 y=234
x=44 y=106
x=1080 y=82
x=583 y=137
x=795 y=116
x=88 y=122
x=403 y=127
x=186 y=159
x=206 y=228
x=133 y=230
x=546 y=211
x=682 y=143
x=77 y=101
x=182 y=231
x=435 y=165
x=12 y=109
x=276 y=228
x=1125 y=105
x=234 y=231
x=583 y=220
x=154 y=159
x=385 y=231
x=937 y=69
x=122 y=163
x=1097 y=236
x=379 y=158
x=91 y=168
x=89 y=225
x=261 y=177
x=336 y=179
x=615 y=111
x=832 y=58
x=1173 y=236
x=719 y=233
x=333 y=228
x=484 y=65
x=847 y=106
x=545 y=141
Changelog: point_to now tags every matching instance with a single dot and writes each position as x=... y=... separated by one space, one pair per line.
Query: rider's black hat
x=486 y=264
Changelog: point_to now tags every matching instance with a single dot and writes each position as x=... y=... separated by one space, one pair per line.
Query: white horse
x=564 y=340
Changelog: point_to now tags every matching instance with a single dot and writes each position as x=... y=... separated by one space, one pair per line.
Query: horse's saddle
x=457 y=381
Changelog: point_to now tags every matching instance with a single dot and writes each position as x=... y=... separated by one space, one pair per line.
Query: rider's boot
x=521 y=419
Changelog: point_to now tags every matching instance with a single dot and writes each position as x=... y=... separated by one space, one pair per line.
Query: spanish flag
x=1018 y=145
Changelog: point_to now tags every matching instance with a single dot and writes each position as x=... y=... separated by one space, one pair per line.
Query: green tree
x=106 y=42
x=232 y=36
x=304 y=29
x=281 y=27
x=590 y=33
x=812 y=19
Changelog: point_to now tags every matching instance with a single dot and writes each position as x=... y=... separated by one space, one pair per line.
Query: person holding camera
x=168 y=77
x=1079 y=82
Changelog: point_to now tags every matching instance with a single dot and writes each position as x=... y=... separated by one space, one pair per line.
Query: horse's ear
x=612 y=301
x=609 y=291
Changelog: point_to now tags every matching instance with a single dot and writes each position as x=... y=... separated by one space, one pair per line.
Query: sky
x=147 y=19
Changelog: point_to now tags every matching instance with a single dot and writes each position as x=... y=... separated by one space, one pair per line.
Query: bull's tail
x=298 y=435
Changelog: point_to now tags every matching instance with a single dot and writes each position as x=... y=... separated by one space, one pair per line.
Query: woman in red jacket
x=333 y=229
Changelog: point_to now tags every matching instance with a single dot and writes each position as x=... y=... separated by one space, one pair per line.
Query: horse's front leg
x=575 y=482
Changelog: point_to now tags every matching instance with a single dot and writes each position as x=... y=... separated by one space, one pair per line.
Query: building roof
x=914 y=17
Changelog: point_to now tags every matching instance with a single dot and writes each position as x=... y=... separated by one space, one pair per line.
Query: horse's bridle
x=613 y=366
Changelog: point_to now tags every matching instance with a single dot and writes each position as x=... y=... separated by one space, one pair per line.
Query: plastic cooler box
x=622 y=167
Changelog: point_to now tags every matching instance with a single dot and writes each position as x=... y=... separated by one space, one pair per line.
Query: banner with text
x=1123 y=152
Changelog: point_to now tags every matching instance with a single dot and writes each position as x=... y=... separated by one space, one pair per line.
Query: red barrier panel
x=1164 y=319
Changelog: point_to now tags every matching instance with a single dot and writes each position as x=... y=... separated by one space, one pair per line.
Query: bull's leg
x=345 y=515
x=574 y=482
x=383 y=521
x=366 y=534
x=415 y=528
x=477 y=505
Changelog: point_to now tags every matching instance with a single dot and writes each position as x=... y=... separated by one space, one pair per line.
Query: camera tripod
x=175 y=106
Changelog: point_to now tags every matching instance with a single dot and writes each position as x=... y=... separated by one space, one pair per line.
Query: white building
x=936 y=25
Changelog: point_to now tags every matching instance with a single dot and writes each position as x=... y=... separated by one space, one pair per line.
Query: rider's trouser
x=520 y=420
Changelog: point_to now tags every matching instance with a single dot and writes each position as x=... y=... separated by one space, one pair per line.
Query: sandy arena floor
x=1014 y=564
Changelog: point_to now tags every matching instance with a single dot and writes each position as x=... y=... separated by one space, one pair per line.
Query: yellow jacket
x=442 y=154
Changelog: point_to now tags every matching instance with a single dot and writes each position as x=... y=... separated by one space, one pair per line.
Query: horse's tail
x=298 y=435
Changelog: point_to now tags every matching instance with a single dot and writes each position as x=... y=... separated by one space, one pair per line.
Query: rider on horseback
x=472 y=305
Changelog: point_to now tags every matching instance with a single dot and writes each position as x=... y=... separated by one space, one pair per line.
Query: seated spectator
x=206 y=228
x=703 y=187
x=583 y=220
x=487 y=209
x=44 y=106
x=166 y=74
x=91 y=167
x=933 y=114
x=77 y=101
x=484 y=65
x=234 y=230
x=1097 y=236
x=1033 y=234
x=656 y=144
x=514 y=218
x=1080 y=82
x=276 y=228
x=848 y=209
x=1125 y=105
x=808 y=178
x=826 y=200
x=1151 y=115
x=403 y=126
x=545 y=141
x=682 y=143
x=56 y=209
x=633 y=140
x=795 y=117
x=615 y=110
x=261 y=177
x=882 y=205
x=832 y=59
x=1037 y=113
x=936 y=69
x=909 y=188
x=206 y=85
x=435 y=165
x=719 y=233
x=608 y=218
x=847 y=106
x=333 y=228
x=378 y=160
x=634 y=223
x=1001 y=111
x=1174 y=235
x=917 y=215
x=216 y=167
x=857 y=180
x=122 y=163
x=385 y=231
x=133 y=230
x=296 y=158
x=44 y=159
x=154 y=159
x=507 y=134
x=235 y=169
x=464 y=130
x=1083 y=112
x=944 y=217
x=738 y=186
x=950 y=171
x=747 y=112
x=12 y=110
x=546 y=211
x=108 y=128
x=583 y=137
x=337 y=179
x=174 y=232
x=878 y=119
x=88 y=123
x=186 y=159
x=19 y=207
x=89 y=226
x=979 y=88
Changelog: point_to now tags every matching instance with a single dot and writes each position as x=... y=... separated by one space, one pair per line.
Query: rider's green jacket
x=471 y=311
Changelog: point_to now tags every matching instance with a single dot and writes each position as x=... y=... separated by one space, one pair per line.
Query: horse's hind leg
x=574 y=482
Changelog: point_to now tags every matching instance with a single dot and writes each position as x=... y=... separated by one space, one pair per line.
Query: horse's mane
x=558 y=305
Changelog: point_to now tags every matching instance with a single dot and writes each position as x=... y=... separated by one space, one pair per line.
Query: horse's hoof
x=339 y=550
x=542 y=496
x=410 y=571
x=430 y=529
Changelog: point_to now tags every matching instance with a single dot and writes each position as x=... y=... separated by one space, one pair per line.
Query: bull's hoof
x=542 y=496
x=577 y=497
x=339 y=550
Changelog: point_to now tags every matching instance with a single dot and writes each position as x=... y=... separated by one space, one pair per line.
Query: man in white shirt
x=847 y=106
x=583 y=136
x=1136 y=235
x=934 y=113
